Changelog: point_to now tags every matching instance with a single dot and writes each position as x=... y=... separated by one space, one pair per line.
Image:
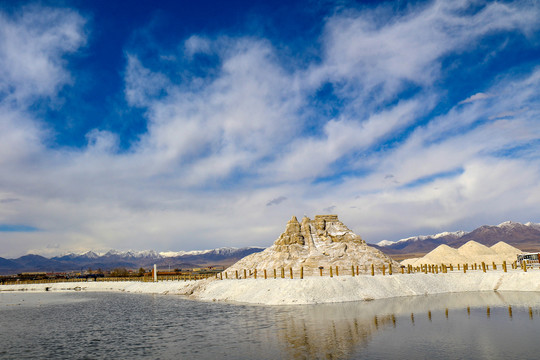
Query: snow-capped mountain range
x=523 y=236
x=129 y=259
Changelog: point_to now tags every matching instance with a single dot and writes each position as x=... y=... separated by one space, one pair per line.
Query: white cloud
x=32 y=44
x=476 y=97
x=218 y=149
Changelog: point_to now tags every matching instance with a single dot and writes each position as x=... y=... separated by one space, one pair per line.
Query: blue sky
x=195 y=125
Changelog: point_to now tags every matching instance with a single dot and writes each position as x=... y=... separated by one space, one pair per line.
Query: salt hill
x=470 y=252
x=324 y=241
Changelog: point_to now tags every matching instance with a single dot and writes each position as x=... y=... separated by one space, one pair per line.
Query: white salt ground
x=314 y=290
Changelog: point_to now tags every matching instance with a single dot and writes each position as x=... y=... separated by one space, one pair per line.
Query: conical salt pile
x=472 y=249
x=471 y=252
x=324 y=241
x=506 y=252
x=444 y=254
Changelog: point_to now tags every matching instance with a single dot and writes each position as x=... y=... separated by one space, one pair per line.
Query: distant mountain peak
x=523 y=236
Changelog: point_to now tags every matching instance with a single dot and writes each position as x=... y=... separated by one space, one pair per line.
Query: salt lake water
x=85 y=325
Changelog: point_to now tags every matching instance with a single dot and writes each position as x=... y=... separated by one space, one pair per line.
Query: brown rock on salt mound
x=324 y=241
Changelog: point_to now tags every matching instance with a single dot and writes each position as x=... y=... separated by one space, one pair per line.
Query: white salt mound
x=471 y=252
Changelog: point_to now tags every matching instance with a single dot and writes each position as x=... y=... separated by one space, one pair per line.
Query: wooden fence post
x=301 y=272
x=357 y=270
x=504 y=265
x=352 y=270
x=372 y=270
x=255 y=273
x=283 y=273
x=483 y=266
x=331 y=275
x=245 y=274
x=402 y=269
x=337 y=271
x=237 y=274
x=383 y=269
x=389 y=269
x=275 y=275
x=320 y=270
x=494 y=266
x=265 y=274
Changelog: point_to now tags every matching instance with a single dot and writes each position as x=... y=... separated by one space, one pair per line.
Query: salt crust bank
x=324 y=242
x=312 y=290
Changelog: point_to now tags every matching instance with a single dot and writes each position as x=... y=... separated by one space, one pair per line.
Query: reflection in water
x=339 y=331
x=81 y=325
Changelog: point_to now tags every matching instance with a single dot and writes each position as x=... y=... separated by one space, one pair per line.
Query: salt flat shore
x=312 y=290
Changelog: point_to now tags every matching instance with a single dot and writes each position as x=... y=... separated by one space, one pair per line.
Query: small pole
x=320 y=270
x=301 y=272
x=275 y=275
x=402 y=270
x=458 y=267
x=357 y=270
x=245 y=274
x=221 y=275
x=226 y=276
x=331 y=275
x=372 y=270
x=483 y=266
x=494 y=266
x=337 y=271
x=155 y=273
x=290 y=269
x=265 y=274
x=255 y=273
x=236 y=274
x=504 y=265
x=383 y=269
x=283 y=273
x=352 y=270
x=389 y=269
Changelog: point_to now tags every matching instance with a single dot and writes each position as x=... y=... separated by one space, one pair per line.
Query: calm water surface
x=83 y=325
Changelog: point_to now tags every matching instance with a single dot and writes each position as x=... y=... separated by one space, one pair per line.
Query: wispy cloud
x=276 y=201
x=475 y=97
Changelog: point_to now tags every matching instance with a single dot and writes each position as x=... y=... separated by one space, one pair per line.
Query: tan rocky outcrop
x=322 y=242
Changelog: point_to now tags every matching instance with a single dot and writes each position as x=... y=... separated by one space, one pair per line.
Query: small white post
x=155 y=273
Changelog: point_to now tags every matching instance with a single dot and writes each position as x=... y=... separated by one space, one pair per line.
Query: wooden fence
x=290 y=273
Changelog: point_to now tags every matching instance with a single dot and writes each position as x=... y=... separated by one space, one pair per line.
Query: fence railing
x=113 y=279
x=301 y=273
